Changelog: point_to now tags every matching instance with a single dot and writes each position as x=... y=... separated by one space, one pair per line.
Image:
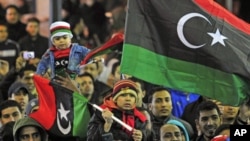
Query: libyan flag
x=190 y=45
x=61 y=112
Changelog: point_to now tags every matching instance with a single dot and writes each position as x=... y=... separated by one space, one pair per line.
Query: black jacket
x=9 y=51
x=96 y=124
x=39 y=45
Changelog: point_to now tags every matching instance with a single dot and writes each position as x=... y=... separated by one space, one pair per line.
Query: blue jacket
x=77 y=54
x=180 y=100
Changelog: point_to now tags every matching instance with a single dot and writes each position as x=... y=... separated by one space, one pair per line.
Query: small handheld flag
x=114 y=118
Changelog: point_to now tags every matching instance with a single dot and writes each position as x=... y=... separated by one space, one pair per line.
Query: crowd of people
x=147 y=112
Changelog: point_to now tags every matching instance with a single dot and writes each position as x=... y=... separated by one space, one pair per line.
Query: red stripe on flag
x=46 y=113
x=217 y=10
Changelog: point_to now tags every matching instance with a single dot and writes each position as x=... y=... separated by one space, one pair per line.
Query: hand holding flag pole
x=114 y=118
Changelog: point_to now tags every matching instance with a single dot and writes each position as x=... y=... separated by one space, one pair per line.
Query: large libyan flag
x=61 y=112
x=190 y=45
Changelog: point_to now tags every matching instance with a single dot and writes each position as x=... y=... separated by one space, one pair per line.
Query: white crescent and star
x=217 y=36
x=63 y=115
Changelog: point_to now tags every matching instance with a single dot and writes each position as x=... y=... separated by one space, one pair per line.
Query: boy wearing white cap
x=63 y=56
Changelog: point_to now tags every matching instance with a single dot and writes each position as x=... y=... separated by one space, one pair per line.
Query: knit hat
x=124 y=86
x=60 y=28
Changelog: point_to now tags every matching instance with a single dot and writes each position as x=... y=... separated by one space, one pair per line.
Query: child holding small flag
x=122 y=105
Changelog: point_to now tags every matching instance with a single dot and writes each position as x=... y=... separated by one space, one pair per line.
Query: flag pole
x=114 y=118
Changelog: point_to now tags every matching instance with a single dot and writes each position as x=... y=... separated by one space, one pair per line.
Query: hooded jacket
x=27 y=121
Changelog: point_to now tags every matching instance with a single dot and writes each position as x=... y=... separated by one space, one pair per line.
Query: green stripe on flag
x=81 y=115
x=189 y=77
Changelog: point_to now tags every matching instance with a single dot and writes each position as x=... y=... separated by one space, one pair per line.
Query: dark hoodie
x=27 y=121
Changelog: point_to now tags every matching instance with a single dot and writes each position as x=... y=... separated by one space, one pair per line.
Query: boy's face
x=126 y=101
x=62 y=42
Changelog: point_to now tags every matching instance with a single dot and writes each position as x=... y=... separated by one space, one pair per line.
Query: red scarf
x=60 y=53
x=128 y=119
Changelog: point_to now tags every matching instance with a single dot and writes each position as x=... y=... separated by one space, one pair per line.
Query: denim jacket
x=77 y=54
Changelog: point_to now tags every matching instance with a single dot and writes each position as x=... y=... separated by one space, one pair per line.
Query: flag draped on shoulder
x=62 y=112
x=189 y=45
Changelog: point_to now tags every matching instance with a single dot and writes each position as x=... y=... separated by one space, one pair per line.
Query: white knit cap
x=60 y=28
